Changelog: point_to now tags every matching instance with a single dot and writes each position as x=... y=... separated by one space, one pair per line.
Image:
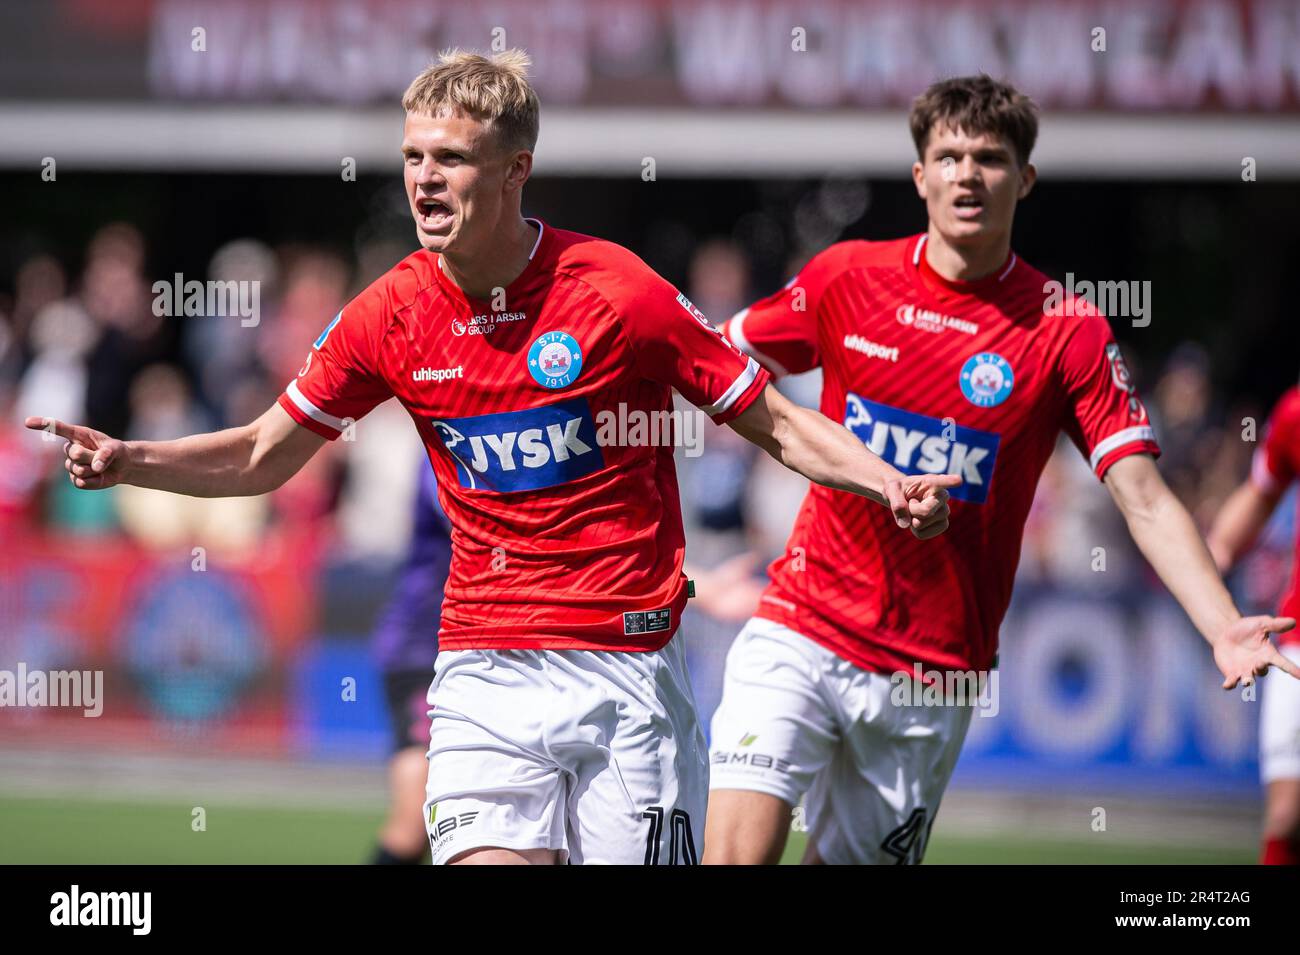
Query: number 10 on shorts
x=681 y=844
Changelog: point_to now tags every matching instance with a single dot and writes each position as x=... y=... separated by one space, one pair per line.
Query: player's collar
x=930 y=277
x=535 y=259
x=541 y=231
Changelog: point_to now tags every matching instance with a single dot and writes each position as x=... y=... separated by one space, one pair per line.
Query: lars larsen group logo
x=928 y=321
x=484 y=324
x=555 y=360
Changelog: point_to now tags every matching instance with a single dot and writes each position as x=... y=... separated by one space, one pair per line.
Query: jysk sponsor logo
x=986 y=379
x=328 y=328
x=523 y=450
x=555 y=360
x=919 y=444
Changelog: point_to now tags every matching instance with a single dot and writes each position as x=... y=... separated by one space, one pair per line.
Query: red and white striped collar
x=1012 y=259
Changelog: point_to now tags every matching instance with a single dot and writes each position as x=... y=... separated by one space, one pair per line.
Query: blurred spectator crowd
x=87 y=347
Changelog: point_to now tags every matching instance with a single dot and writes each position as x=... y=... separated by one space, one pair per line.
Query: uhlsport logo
x=555 y=360
x=919 y=444
x=523 y=450
x=871 y=349
x=986 y=379
x=437 y=374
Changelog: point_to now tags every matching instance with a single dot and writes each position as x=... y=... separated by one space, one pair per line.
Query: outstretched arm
x=828 y=453
x=1239 y=523
x=252 y=459
x=1167 y=536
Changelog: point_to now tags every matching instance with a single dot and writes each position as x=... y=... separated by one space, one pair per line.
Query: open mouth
x=968 y=207
x=431 y=213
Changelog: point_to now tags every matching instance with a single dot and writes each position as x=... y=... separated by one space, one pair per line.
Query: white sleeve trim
x=1118 y=439
x=738 y=387
x=310 y=410
x=736 y=332
x=1260 y=475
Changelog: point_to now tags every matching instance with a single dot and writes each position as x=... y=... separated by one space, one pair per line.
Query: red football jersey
x=935 y=376
x=1275 y=465
x=566 y=525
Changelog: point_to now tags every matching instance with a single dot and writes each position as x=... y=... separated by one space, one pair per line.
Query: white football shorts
x=597 y=754
x=1279 y=723
x=796 y=719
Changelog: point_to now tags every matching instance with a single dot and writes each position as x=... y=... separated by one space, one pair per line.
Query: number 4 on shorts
x=907 y=842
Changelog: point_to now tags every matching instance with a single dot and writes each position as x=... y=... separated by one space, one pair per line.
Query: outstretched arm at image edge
x=252 y=459
x=1168 y=538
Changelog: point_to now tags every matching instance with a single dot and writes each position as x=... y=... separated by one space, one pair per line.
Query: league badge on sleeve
x=986 y=379
x=694 y=312
x=555 y=360
x=328 y=328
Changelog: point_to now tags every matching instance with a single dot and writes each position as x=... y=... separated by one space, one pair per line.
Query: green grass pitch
x=66 y=831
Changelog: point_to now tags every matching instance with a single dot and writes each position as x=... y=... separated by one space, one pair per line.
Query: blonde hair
x=492 y=89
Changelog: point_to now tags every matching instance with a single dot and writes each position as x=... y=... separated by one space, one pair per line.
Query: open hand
x=1245 y=651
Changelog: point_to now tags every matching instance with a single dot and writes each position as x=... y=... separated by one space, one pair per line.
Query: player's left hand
x=920 y=502
x=1244 y=650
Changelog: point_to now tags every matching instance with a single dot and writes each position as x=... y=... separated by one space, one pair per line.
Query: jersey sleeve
x=780 y=331
x=1104 y=415
x=341 y=382
x=677 y=346
x=1274 y=464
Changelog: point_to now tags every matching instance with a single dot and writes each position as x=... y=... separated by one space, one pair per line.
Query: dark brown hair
x=975 y=105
